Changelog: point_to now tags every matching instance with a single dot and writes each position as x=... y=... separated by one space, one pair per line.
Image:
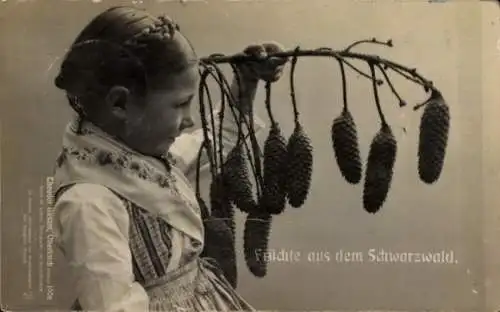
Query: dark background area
x=441 y=40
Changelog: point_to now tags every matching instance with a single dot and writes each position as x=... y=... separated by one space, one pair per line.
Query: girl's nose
x=187 y=123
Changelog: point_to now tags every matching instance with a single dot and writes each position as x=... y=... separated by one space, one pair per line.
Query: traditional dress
x=130 y=225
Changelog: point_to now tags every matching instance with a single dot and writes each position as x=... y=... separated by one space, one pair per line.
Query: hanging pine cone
x=273 y=200
x=226 y=213
x=217 y=192
x=433 y=140
x=219 y=245
x=221 y=206
x=379 y=170
x=345 y=145
x=237 y=180
x=299 y=167
x=256 y=242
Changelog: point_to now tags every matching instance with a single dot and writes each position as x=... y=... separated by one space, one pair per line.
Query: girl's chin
x=161 y=149
x=165 y=146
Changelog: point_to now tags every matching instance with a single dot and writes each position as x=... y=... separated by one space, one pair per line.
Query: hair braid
x=123 y=45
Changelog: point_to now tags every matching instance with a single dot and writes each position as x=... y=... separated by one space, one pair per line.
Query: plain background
x=453 y=44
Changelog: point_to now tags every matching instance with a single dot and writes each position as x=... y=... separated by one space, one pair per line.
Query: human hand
x=268 y=69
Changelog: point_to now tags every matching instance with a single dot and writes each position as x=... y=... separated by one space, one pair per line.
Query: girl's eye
x=184 y=104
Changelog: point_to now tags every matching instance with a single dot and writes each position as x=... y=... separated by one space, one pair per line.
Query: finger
x=255 y=50
x=272 y=78
x=267 y=73
x=278 y=76
x=280 y=69
x=245 y=69
x=273 y=47
x=277 y=61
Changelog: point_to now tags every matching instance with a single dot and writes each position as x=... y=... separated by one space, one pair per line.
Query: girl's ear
x=117 y=100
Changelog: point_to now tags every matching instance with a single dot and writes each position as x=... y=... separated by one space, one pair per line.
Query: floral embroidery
x=118 y=162
x=125 y=161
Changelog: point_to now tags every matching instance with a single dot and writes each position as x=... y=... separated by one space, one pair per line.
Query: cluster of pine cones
x=433 y=139
x=287 y=171
x=286 y=178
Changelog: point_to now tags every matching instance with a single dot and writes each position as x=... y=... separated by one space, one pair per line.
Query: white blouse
x=92 y=226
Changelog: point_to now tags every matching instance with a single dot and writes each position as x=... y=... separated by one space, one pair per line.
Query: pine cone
x=237 y=181
x=273 y=198
x=434 y=128
x=345 y=144
x=218 y=194
x=220 y=203
x=379 y=171
x=256 y=242
x=226 y=213
x=219 y=245
x=299 y=167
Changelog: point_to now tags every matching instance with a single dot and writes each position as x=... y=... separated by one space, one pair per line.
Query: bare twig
x=409 y=73
x=402 y=103
x=373 y=40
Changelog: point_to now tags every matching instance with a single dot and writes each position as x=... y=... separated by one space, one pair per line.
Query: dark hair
x=125 y=46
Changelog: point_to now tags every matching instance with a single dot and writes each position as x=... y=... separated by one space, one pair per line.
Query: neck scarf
x=95 y=157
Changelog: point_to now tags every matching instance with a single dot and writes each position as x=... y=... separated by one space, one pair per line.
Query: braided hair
x=124 y=46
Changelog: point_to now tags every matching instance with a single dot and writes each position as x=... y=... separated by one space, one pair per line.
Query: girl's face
x=152 y=125
x=150 y=122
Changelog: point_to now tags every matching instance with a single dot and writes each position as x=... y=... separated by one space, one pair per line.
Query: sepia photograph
x=251 y=155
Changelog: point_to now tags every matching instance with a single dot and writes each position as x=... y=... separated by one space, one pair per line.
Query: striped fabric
x=195 y=284
x=150 y=245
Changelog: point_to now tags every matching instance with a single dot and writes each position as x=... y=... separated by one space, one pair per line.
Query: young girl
x=127 y=219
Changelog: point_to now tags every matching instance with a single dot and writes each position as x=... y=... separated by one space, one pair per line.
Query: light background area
x=491 y=148
x=443 y=40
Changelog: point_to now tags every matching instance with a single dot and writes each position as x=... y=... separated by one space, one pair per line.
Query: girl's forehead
x=186 y=79
x=176 y=94
x=177 y=86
